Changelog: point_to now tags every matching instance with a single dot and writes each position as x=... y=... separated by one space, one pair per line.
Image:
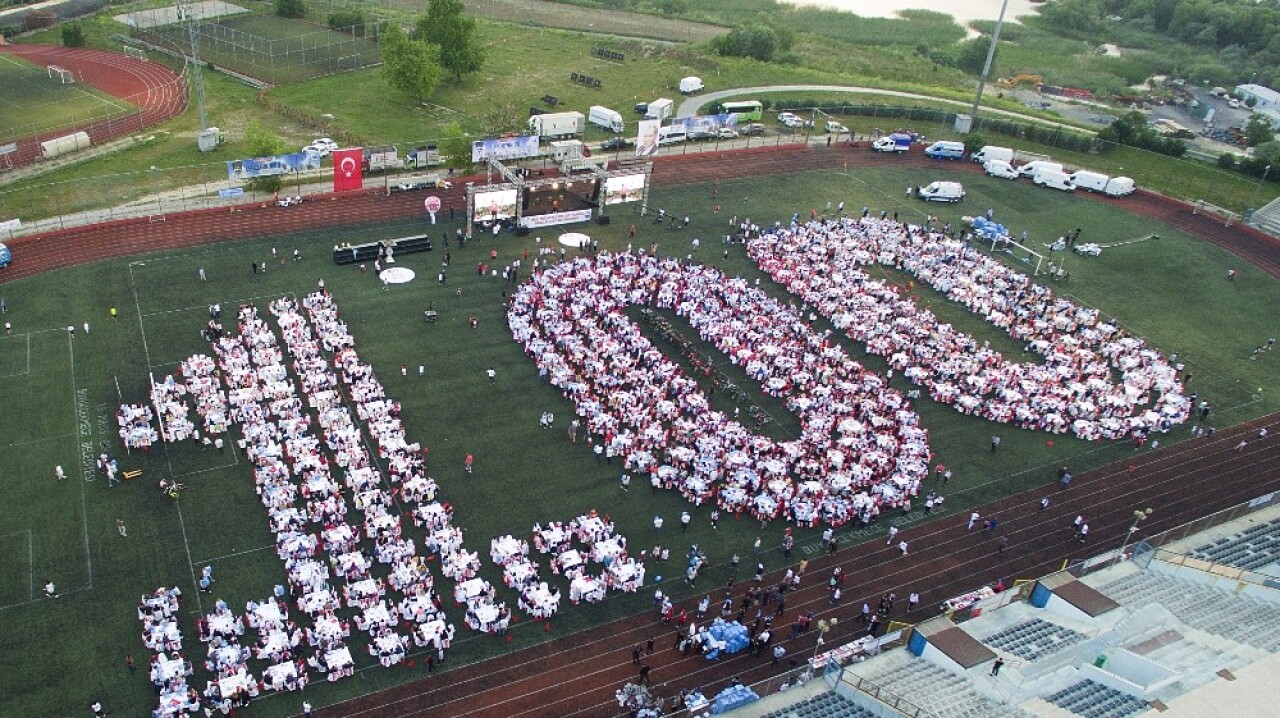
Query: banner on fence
x=8 y=149
x=269 y=166
x=504 y=148
x=547 y=220
x=229 y=193
x=647 y=137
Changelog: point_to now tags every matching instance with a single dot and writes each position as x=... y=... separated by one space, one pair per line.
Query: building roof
x=1261 y=92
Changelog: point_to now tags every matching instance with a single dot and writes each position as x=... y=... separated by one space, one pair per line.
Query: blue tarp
x=733 y=697
x=734 y=635
x=5 y=256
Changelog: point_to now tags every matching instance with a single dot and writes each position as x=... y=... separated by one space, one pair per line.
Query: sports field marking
x=235 y=461
x=195 y=583
x=245 y=552
x=86 y=444
x=27 y=370
x=42 y=439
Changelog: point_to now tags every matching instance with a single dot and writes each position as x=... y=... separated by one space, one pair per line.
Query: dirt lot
x=572 y=17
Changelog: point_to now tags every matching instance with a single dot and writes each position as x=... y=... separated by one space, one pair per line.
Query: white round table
x=396 y=275
x=574 y=239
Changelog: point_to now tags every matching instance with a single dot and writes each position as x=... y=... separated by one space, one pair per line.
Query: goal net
x=136 y=53
x=62 y=74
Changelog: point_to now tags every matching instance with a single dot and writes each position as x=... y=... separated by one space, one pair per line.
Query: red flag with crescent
x=346 y=169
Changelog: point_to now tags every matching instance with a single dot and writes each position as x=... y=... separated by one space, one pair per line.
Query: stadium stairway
x=932 y=688
x=1253 y=622
x=1267 y=218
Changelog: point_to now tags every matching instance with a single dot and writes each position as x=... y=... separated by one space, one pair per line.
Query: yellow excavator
x=1016 y=80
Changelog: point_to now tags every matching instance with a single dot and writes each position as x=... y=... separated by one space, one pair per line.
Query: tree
x=756 y=41
x=262 y=142
x=1258 y=130
x=291 y=8
x=411 y=66
x=974 y=141
x=972 y=55
x=72 y=35
x=454 y=33
x=456 y=148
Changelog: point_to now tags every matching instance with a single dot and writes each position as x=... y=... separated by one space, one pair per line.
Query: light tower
x=184 y=14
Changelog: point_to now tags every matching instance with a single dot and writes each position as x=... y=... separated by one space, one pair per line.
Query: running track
x=577 y=675
x=155 y=90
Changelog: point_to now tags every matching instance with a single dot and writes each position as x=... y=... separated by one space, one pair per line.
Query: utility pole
x=991 y=53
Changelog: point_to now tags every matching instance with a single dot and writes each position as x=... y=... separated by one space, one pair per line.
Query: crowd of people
x=861 y=448
x=1092 y=378
x=136 y=431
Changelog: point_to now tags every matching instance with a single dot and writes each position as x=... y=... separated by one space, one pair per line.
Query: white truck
x=690 y=85
x=659 y=109
x=377 y=159
x=555 y=125
x=1000 y=168
x=896 y=142
x=603 y=117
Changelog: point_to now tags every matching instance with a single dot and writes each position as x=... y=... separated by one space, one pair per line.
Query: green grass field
x=60 y=396
x=31 y=101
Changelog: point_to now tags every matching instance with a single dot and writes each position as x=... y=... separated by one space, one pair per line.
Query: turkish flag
x=346 y=169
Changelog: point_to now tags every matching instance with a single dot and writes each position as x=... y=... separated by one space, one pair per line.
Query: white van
x=945 y=150
x=672 y=135
x=1119 y=187
x=941 y=192
x=1054 y=179
x=992 y=152
x=1000 y=168
x=1091 y=181
x=1031 y=168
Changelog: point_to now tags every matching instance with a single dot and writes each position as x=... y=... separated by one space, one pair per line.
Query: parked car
x=316 y=150
x=726 y=133
x=617 y=143
x=326 y=143
x=753 y=128
x=792 y=120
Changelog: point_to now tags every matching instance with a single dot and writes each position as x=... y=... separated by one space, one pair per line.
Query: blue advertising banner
x=504 y=148
x=268 y=166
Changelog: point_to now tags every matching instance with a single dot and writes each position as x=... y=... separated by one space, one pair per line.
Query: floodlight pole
x=991 y=53
x=185 y=13
x=1253 y=198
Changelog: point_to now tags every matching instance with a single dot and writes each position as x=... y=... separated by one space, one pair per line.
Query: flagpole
x=991 y=53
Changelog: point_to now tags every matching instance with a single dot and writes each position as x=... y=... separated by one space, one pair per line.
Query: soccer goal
x=136 y=53
x=64 y=75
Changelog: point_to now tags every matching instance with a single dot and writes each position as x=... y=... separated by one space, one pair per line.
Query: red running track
x=155 y=90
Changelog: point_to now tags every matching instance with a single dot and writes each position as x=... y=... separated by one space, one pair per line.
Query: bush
x=1227 y=160
x=291 y=8
x=72 y=35
x=348 y=21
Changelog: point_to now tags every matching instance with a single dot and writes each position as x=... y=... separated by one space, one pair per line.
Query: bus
x=746 y=110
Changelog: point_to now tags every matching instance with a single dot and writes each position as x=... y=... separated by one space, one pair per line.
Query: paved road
x=689 y=107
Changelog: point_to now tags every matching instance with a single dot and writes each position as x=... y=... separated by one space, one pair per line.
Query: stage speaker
x=522 y=231
x=602 y=219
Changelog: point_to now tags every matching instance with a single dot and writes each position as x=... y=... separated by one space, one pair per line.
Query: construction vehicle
x=1020 y=79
